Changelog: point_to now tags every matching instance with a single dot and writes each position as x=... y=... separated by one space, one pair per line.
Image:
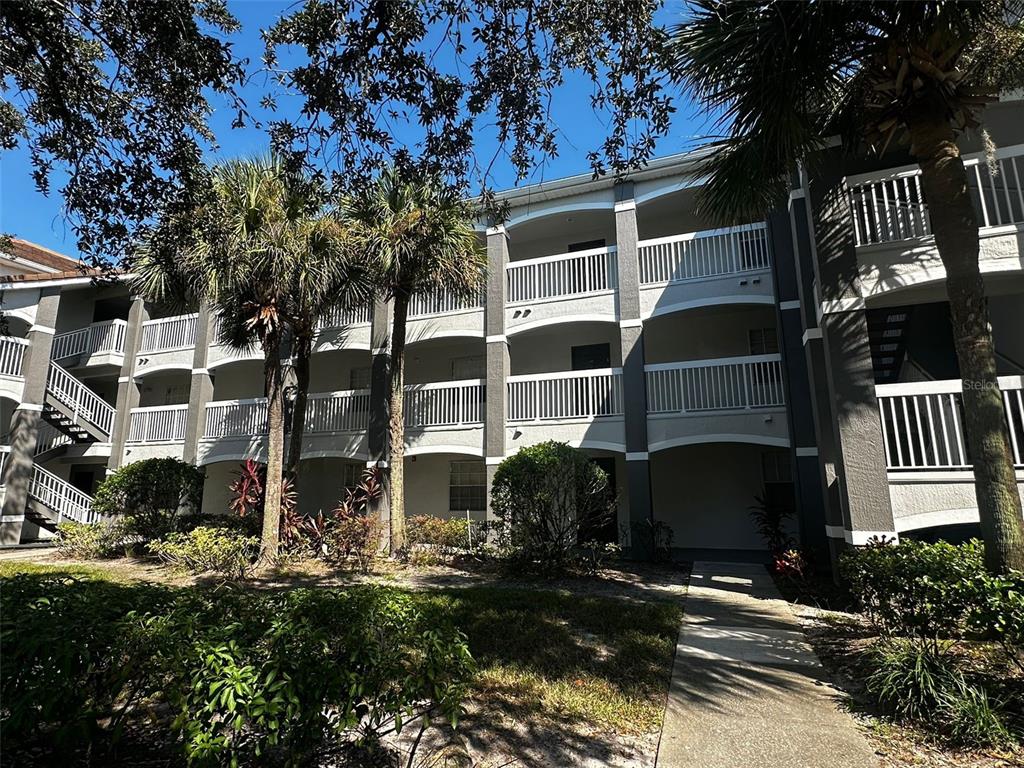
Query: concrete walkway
x=746 y=688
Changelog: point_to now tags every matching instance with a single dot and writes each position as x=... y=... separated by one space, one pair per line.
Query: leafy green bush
x=998 y=612
x=251 y=678
x=550 y=497
x=150 y=494
x=914 y=588
x=91 y=541
x=356 y=536
x=204 y=549
x=435 y=539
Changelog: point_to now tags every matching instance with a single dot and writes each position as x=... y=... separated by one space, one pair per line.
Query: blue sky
x=26 y=213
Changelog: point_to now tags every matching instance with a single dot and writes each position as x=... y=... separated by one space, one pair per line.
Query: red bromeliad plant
x=248 y=491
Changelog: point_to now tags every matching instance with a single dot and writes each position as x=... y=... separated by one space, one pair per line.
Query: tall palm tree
x=327 y=281
x=785 y=76
x=418 y=238
x=237 y=252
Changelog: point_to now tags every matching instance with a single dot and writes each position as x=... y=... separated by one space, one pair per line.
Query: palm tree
x=785 y=76
x=418 y=238
x=327 y=281
x=236 y=251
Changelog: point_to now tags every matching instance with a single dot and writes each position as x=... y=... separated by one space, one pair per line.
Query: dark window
x=586 y=245
x=467 y=486
x=763 y=341
x=589 y=356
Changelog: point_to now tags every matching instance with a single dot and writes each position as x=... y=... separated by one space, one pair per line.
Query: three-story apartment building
x=805 y=360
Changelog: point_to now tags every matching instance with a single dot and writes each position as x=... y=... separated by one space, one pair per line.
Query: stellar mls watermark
x=981 y=386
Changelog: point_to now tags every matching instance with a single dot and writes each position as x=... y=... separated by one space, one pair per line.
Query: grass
x=598 y=661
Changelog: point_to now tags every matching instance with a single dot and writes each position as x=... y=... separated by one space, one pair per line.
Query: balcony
x=439 y=417
x=437 y=315
x=12 y=357
x=732 y=399
x=721 y=266
x=580 y=285
x=892 y=228
x=926 y=453
x=157 y=431
x=584 y=408
x=97 y=344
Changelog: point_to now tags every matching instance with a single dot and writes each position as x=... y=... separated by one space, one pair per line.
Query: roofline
x=679 y=163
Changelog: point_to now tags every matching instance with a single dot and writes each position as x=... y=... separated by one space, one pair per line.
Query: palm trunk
x=396 y=424
x=275 y=448
x=303 y=351
x=955 y=227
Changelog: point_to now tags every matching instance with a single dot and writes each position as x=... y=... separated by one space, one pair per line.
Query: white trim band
x=809 y=451
x=625 y=205
x=797 y=194
x=12 y=518
x=123 y=379
x=30 y=407
x=498 y=337
x=373 y=463
x=811 y=333
x=42 y=329
x=637 y=456
x=843 y=305
x=860 y=538
x=835 y=532
x=636 y=323
x=492 y=461
x=499 y=230
x=201 y=371
x=791 y=304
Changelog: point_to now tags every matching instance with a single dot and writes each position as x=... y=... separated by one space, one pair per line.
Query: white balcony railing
x=347 y=411
x=448 y=403
x=82 y=401
x=158 y=424
x=12 y=355
x=724 y=384
x=340 y=318
x=572 y=274
x=700 y=255
x=923 y=425
x=168 y=333
x=235 y=418
x=890 y=207
x=566 y=395
x=436 y=303
x=107 y=336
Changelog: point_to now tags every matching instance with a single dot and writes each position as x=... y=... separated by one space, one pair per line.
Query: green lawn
x=599 y=661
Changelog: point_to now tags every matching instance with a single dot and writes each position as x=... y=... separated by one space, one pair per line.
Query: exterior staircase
x=52 y=501
x=74 y=409
x=887 y=329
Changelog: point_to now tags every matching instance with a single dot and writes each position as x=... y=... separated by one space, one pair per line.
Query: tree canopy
x=114 y=94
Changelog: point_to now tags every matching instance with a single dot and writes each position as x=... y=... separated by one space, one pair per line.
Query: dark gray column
x=807 y=486
x=498 y=363
x=25 y=421
x=634 y=384
x=200 y=390
x=860 y=461
x=127 y=387
x=380 y=365
x=802 y=227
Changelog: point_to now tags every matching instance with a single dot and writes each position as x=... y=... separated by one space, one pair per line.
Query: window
x=471 y=367
x=589 y=356
x=586 y=245
x=763 y=341
x=359 y=378
x=176 y=394
x=467 y=486
x=352 y=474
x=775 y=467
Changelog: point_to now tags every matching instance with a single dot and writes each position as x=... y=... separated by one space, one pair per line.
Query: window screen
x=763 y=341
x=359 y=378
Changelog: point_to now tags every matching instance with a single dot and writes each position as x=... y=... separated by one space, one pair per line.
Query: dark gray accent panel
x=201 y=386
x=127 y=391
x=380 y=348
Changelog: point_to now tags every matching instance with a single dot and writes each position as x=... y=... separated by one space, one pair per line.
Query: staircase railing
x=62 y=497
x=83 y=402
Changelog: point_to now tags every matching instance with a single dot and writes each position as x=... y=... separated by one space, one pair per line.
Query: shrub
x=914 y=588
x=654 y=537
x=550 y=497
x=908 y=676
x=356 y=536
x=770 y=520
x=435 y=539
x=998 y=612
x=150 y=494
x=91 y=541
x=204 y=549
x=250 y=678
x=971 y=717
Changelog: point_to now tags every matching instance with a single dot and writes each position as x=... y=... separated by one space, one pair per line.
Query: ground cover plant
x=568 y=662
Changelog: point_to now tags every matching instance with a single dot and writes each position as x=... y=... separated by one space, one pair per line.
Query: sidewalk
x=746 y=689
